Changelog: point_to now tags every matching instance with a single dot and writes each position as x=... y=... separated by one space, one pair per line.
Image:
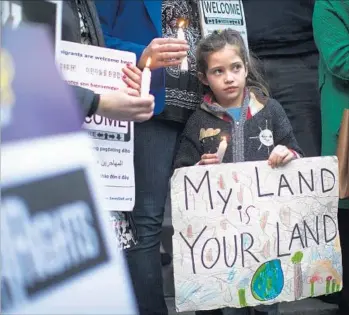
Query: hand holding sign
x=208 y=159
x=281 y=155
x=165 y=52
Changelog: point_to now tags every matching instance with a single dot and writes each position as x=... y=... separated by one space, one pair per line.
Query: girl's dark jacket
x=263 y=124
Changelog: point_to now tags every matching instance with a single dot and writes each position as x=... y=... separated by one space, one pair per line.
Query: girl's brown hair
x=218 y=40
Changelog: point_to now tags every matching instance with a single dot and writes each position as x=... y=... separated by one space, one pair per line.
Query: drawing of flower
x=312 y=280
x=266 y=249
x=285 y=215
x=298 y=279
x=242 y=297
x=221 y=183
x=333 y=285
x=209 y=256
x=328 y=284
x=243 y=284
x=224 y=223
x=264 y=220
x=189 y=231
x=235 y=177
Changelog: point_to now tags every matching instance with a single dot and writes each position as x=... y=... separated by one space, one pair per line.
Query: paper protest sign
x=100 y=70
x=57 y=250
x=246 y=234
x=222 y=14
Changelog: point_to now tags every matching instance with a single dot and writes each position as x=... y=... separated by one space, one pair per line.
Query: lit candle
x=146 y=78
x=181 y=35
x=221 y=149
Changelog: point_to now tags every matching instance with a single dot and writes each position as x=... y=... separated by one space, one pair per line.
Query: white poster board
x=222 y=14
x=245 y=234
x=100 y=70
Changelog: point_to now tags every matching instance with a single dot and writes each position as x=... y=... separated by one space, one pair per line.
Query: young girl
x=239 y=109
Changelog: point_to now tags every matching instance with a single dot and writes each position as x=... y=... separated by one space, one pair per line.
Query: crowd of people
x=296 y=73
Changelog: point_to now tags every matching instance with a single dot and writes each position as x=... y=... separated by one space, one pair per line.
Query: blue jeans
x=155 y=145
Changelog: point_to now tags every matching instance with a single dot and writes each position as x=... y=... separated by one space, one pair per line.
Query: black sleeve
x=190 y=150
x=282 y=129
x=87 y=99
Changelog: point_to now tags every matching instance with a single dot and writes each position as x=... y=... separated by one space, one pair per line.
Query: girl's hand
x=133 y=78
x=208 y=159
x=281 y=155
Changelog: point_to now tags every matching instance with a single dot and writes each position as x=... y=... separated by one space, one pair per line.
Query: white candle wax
x=146 y=79
x=181 y=35
x=221 y=149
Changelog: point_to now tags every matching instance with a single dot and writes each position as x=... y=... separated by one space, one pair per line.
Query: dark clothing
x=153 y=165
x=293 y=81
x=71 y=30
x=87 y=99
x=280 y=34
x=343 y=228
x=261 y=127
x=183 y=88
x=280 y=27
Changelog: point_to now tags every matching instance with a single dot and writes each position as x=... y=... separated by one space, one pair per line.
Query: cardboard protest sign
x=57 y=253
x=246 y=234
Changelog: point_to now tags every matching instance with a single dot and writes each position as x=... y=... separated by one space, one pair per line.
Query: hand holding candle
x=146 y=79
x=221 y=149
x=181 y=35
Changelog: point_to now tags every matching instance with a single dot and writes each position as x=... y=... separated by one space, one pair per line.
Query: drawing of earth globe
x=268 y=281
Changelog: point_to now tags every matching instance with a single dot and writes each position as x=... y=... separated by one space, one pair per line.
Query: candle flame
x=148 y=62
x=224 y=138
x=181 y=24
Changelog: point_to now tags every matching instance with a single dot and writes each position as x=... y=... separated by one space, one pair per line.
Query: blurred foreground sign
x=56 y=248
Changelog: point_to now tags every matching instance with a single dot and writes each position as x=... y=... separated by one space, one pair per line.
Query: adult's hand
x=164 y=52
x=120 y=105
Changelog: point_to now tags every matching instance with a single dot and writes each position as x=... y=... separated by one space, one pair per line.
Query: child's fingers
x=288 y=158
x=209 y=161
x=278 y=155
x=209 y=158
x=272 y=159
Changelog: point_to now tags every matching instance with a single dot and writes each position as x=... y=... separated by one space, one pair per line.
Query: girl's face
x=226 y=76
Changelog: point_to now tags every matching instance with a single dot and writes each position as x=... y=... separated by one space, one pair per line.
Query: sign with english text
x=221 y=14
x=246 y=234
x=100 y=69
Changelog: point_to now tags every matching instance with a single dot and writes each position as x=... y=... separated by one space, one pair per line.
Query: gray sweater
x=263 y=124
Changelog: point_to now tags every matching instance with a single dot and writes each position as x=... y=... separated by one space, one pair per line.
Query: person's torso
x=80 y=23
x=249 y=139
x=334 y=100
x=277 y=27
x=183 y=89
